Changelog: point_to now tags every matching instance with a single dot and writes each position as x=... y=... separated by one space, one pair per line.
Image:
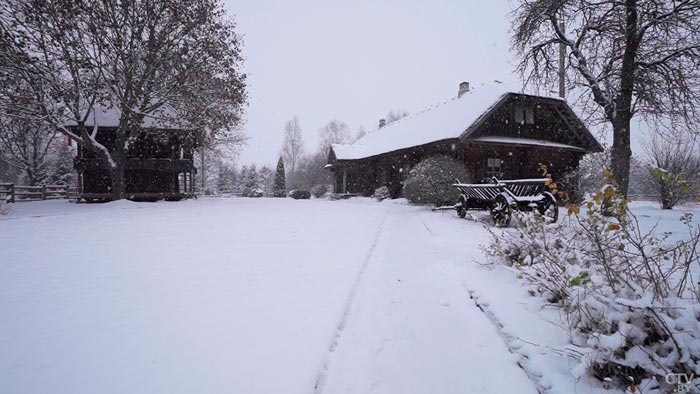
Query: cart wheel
x=549 y=208
x=462 y=207
x=501 y=212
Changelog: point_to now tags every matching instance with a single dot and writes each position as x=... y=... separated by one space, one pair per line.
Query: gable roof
x=105 y=116
x=441 y=122
x=455 y=118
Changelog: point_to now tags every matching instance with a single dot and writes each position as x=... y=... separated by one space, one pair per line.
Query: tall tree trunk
x=621 y=150
x=665 y=194
x=621 y=154
x=203 y=172
x=117 y=175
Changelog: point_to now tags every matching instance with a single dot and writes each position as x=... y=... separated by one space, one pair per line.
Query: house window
x=493 y=167
x=524 y=114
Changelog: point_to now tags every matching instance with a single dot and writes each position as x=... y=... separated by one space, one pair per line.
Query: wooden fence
x=16 y=193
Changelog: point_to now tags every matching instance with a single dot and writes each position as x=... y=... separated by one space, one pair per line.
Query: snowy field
x=269 y=296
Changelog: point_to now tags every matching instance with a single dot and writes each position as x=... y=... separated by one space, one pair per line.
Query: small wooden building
x=495 y=132
x=160 y=162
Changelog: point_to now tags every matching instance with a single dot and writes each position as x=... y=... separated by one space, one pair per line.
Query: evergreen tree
x=251 y=183
x=280 y=188
x=240 y=182
x=223 y=182
x=265 y=179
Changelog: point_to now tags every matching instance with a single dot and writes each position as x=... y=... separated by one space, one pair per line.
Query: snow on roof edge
x=525 y=141
x=444 y=121
x=163 y=119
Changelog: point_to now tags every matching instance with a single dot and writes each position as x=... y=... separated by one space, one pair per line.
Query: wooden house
x=160 y=161
x=494 y=131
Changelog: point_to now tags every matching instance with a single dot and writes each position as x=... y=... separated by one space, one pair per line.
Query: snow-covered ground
x=268 y=296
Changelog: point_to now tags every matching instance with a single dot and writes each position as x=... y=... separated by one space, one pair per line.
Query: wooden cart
x=501 y=197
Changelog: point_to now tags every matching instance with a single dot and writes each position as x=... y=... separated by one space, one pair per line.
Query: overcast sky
x=356 y=60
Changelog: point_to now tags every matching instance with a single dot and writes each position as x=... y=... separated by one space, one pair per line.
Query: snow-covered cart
x=501 y=197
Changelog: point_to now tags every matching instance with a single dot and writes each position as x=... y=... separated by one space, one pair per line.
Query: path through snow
x=413 y=327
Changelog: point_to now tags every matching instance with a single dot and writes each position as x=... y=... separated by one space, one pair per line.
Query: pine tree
x=251 y=183
x=239 y=186
x=223 y=182
x=280 y=188
x=265 y=176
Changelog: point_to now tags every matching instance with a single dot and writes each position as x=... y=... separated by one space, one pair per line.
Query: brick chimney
x=382 y=122
x=463 y=88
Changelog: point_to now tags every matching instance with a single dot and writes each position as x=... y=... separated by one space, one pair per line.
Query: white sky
x=355 y=60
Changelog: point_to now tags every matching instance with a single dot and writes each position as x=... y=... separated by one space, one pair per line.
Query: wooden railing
x=15 y=193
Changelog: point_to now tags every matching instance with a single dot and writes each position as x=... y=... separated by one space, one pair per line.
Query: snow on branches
x=630 y=297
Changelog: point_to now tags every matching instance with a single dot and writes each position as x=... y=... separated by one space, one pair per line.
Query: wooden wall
x=155 y=160
x=548 y=125
x=364 y=176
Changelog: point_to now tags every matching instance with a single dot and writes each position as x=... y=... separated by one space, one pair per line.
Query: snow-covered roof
x=441 y=122
x=109 y=117
x=526 y=141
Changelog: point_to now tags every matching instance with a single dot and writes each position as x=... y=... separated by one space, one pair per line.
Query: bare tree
x=311 y=171
x=360 y=133
x=334 y=132
x=588 y=177
x=293 y=145
x=625 y=57
x=27 y=145
x=175 y=62
x=215 y=152
x=673 y=168
x=395 y=114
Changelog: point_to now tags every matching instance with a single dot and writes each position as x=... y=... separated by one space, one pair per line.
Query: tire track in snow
x=323 y=373
x=508 y=340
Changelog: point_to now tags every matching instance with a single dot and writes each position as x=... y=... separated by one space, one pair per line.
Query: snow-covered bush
x=429 y=182
x=629 y=296
x=300 y=194
x=4 y=207
x=255 y=193
x=672 y=169
x=319 y=191
x=381 y=193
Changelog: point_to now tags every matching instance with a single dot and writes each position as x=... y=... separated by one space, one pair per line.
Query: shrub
x=319 y=191
x=628 y=296
x=429 y=182
x=4 y=207
x=381 y=193
x=300 y=194
x=672 y=169
x=255 y=193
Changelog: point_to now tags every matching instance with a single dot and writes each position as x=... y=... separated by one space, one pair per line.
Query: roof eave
x=522 y=144
x=456 y=140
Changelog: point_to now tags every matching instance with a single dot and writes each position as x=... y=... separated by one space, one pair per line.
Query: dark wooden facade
x=160 y=166
x=509 y=141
